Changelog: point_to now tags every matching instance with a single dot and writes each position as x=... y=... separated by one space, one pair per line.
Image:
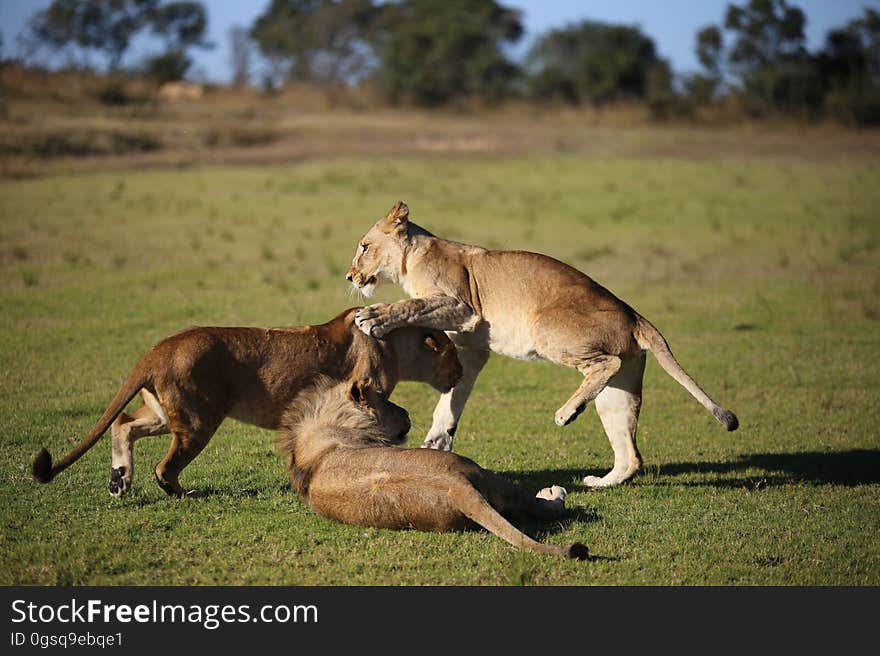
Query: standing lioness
x=191 y=381
x=524 y=305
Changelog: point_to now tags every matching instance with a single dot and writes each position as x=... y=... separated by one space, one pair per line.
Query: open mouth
x=364 y=286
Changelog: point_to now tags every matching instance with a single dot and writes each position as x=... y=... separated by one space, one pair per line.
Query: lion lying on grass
x=192 y=380
x=338 y=448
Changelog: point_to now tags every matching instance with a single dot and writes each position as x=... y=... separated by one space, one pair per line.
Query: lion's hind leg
x=128 y=428
x=190 y=434
x=475 y=506
x=618 y=407
x=513 y=501
x=597 y=371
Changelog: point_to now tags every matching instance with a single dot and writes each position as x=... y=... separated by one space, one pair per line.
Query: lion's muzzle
x=359 y=279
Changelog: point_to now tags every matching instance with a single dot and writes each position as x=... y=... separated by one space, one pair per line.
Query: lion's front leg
x=440 y=312
x=451 y=405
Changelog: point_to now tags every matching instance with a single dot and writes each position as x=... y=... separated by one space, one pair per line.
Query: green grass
x=763 y=275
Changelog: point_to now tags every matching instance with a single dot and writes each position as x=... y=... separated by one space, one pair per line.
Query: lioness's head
x=426 y=356
x=392 y=420
x=379 y=254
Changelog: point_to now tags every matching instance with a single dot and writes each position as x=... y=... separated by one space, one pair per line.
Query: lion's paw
x=441 y=442
x=598 y=482
x=553 y=493
x=119 y=482
x=373 y=320
x=565 y=415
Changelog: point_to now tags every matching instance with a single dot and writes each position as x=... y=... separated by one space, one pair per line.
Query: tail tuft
x=42 y=468
x=727 y=418
x=578 y=551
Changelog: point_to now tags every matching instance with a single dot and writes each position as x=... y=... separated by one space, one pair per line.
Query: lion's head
x=426 y=355
x=379 y=254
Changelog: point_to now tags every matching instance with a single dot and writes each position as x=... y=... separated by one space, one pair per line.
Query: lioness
x=192 y=380
x=337 y=444
x=524 y=305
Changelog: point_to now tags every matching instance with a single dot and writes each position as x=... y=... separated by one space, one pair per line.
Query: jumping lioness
x=524 y=305
x=192 y=380
x=341 y=463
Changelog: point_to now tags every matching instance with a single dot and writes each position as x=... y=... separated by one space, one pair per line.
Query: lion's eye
x=364 y=248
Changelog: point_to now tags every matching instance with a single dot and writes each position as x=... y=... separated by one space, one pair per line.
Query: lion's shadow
x=846 y=468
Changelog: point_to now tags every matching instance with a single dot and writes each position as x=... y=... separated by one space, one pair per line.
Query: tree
x=710 y=50
x=766 y=62
x=107 y=26
x=169 y=66
x=850 y=64
x=703 y=87
x=181 y=25
x=240 y=55
x=595 y=62
x=433 y=51
x=321 y=41
x=854 y=49
x=766 y=31
x=768 y=55
x=660 y=95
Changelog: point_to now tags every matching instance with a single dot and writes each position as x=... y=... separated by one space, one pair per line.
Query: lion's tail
x=650 y=338
x=44 y=471
x=476 y=508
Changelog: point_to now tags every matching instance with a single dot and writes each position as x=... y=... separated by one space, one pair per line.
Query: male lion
x=192 y=380
x=337 y=444
x=524 y=305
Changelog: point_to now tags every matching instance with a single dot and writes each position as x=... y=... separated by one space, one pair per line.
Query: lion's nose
x=349 y=277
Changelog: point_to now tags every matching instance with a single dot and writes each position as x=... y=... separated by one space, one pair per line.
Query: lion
x=192 y=380
x=340 y=451
x=524 y=305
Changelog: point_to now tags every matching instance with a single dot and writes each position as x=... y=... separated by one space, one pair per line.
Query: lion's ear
x=397 y=218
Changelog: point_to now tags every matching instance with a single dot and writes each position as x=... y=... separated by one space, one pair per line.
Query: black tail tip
x=578 y=551
x=727 y=419
x=42 y=468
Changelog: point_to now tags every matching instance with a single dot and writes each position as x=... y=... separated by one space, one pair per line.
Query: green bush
x=856 y=104
x=168 y=67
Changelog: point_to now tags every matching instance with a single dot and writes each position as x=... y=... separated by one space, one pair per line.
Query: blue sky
x=671 y=23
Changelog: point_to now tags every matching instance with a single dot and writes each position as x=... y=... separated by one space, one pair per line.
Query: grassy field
x=762 y=273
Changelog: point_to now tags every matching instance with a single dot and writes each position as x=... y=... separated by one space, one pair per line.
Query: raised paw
x=373 y=320
x=565 y=415
x=119 y=482
x=441 y=442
